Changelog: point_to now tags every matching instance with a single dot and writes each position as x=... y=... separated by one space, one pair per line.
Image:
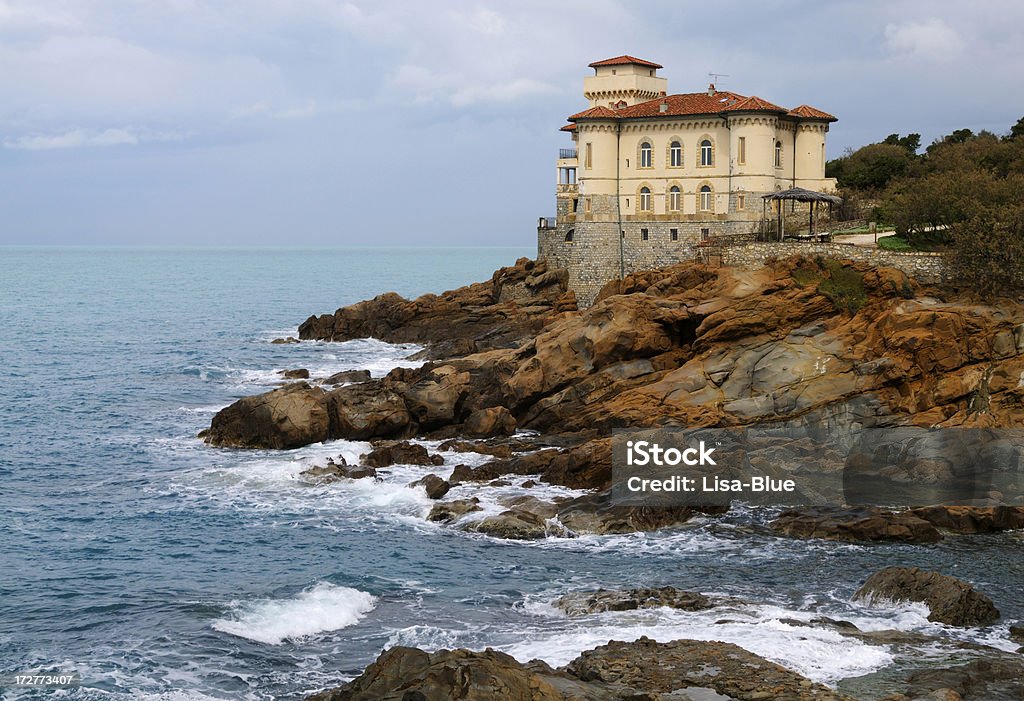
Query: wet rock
x=580 y=603
x=500 y=450
x=410 y=674
x=527 y=518
x=949 y=600
x=435 y=486
x=333 y=471
x=595 y=514
x=290 y=339
x=448 y=511
x=400 y=453
x=345 y=376
x=284 y=418
x=972 y=519
x=1017 y=634
x=434 y=399
x=298 y=374
x=645 y=669
x=485 y=423
x=856 y=524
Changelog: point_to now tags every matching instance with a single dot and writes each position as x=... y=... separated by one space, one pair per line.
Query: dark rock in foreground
x=289 y=417
x=434 y=486
x=344 y=376
x=644 y=670
x=580 y=603
x=950 y=600
x=856 y=524
x=448 y=511
x=297 y=374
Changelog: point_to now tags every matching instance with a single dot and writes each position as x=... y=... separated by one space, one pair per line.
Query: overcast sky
x=323 y=122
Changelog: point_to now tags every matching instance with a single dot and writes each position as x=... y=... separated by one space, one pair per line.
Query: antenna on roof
x=715 y=76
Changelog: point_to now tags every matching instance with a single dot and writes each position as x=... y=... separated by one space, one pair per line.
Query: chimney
x=711 y=89
x=663 y=107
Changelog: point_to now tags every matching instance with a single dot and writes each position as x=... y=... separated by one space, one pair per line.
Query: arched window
x=569 y=235
x=778 y=154
x=646 y=160
x=645 y=199
x=706 y=203
x=675 y=154
x=674 y=197
x=707 y=155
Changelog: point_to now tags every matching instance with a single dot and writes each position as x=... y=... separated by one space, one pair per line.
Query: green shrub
x=894 y=243
x=844 y=287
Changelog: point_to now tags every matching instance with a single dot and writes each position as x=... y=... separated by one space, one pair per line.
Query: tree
x=911 y=142
x=1017 y=129
x=988 y=251
x=873 y=166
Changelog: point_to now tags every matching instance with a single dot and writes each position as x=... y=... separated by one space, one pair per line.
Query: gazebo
x=798 y=194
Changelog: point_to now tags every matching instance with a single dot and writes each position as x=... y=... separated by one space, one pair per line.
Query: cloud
x=932 y=40
x=79 y=138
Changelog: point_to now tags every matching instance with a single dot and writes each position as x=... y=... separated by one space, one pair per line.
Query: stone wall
x=926 y=267
x=593 y=257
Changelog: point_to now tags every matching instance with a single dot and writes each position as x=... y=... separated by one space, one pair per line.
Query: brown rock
x=290 y=339
x=284 y=418
x=595 y=514
x=580 y=603
x=856 y=524
x=299 y=374
x=345 y=376
x=485 y=423
x=973 y=519
x=435 y=486
x=448 y=511
x=334 y=471
x=367 y=410
x=399 y=453
x=950 y=600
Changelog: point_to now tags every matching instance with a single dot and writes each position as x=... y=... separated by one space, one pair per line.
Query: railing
x=567 y=152
x=546 y=223
x=568 y=187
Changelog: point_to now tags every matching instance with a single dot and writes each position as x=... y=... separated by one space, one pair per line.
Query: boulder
x=299 y=374
x=498 y=450
x=289 y=417
x=693 y=670
x=399 y=453
x=367 y=410
x=485 y=423
x=972 y=519
x=433 y=400
x=1017 y=634
x=435 y=486
x=996 y=677
x=448 y=511
x=410 y=674
x=527 y=519
x=596 y=514
x=949 y=600
x=579 y=603
x=346 y=376
x=290 y=339
x=856 y=524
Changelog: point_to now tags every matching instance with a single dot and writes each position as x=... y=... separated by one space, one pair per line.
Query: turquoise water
x=158 y=567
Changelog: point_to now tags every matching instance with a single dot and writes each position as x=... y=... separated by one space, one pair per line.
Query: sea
x=153 y=566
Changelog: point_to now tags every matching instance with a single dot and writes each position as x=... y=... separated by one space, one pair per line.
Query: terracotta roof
x=808 y=112
x=568 y=127
x=698 y=103
x=599 y=112
x=753 y=104
x=624 y=60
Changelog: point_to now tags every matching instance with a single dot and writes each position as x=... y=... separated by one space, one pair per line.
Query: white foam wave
x=820 y=654
x=321 y=608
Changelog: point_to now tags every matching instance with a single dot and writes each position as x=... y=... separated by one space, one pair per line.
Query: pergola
x=798 y=194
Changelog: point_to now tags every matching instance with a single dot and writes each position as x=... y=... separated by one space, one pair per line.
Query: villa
x=651 y=175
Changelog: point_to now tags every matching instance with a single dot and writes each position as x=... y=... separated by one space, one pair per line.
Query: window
x=705 y=234
x=627 y=163
x=644 y=235
x=741 y=151
x=569 y=235
x=645 y=199
x=705 y=198
x=778 y=154
x=646 y=161
x=675 y=154
x=823 y=156
x=674 y=195
x=586 y=205
x=707 y=156
x=588 y=161
x=741 y=201
x=673 y=234
x=575 y=205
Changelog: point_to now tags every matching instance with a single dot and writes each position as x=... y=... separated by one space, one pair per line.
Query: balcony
x=568 y=188
x=567 y=153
